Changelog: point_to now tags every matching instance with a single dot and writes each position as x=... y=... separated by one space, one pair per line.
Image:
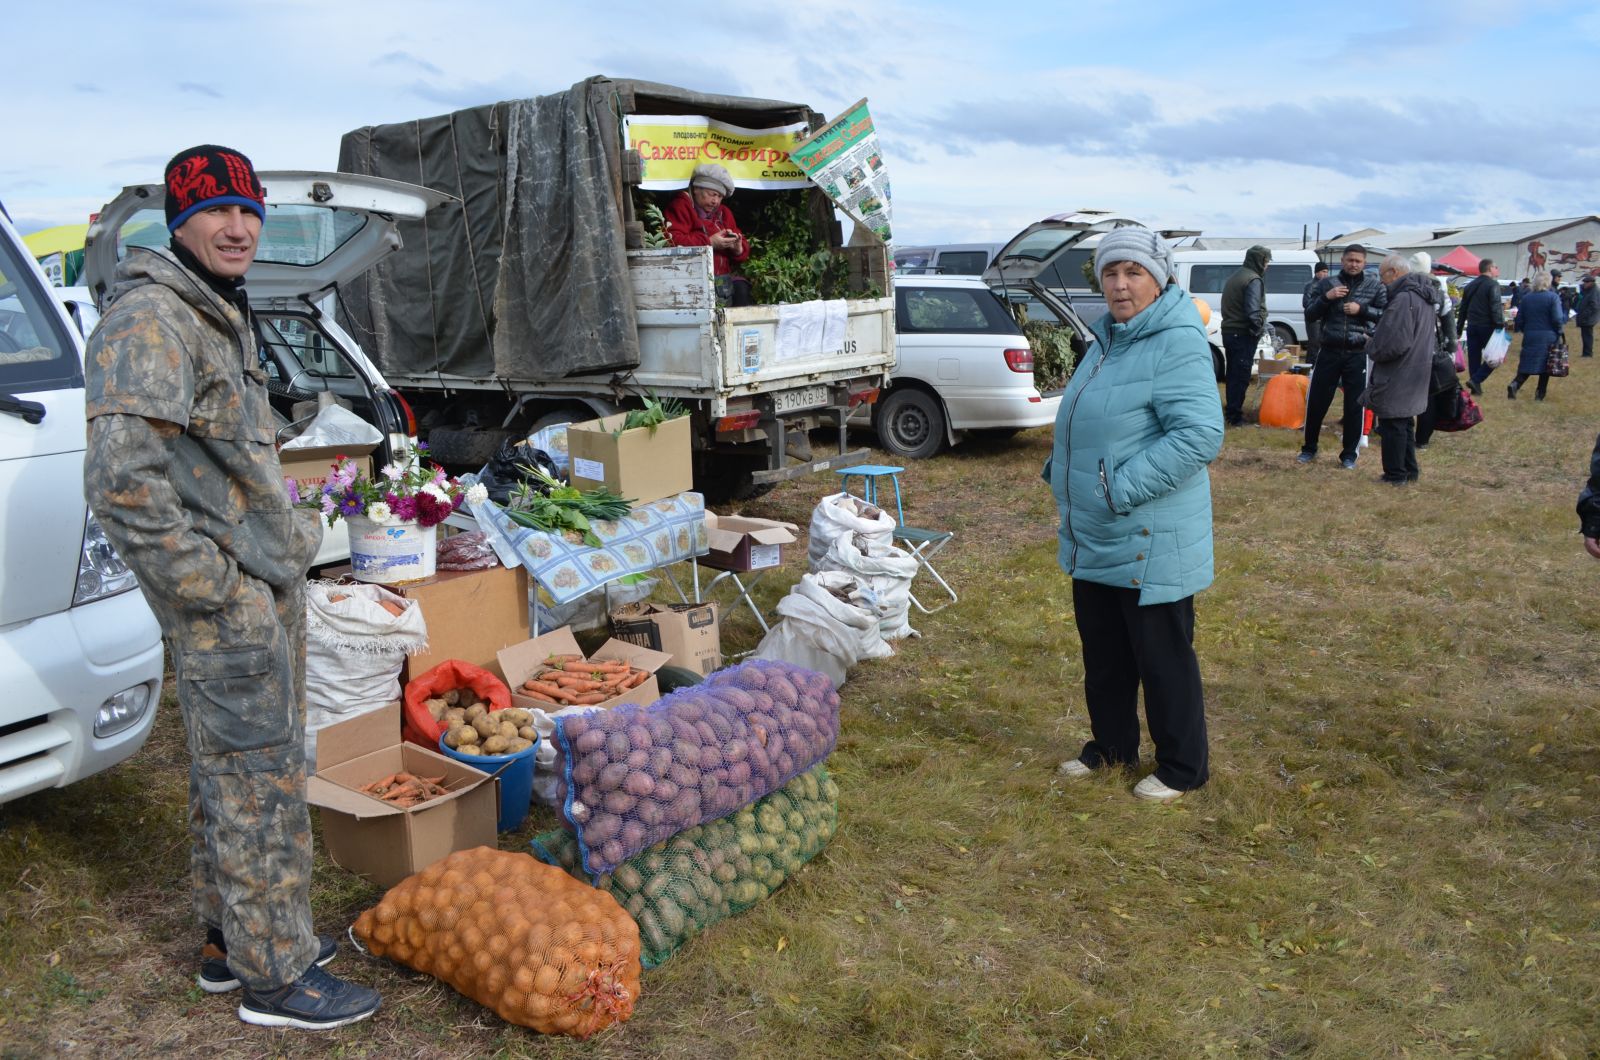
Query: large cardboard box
x=740 y=543
x=309 y=467
x=470 y=615
x=521 y=661
x=382 y=842
x=689 y=633
x=642 y=464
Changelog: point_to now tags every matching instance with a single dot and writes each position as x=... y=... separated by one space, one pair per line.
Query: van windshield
x=35 y=351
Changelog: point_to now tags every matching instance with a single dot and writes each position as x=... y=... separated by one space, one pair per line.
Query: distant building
x=1570 y=245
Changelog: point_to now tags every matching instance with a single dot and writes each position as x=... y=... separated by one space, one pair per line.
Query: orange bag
x=417 y=725
x=1283 y=402
x=524 y=938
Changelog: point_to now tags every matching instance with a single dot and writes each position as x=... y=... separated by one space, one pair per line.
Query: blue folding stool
x=922 y=544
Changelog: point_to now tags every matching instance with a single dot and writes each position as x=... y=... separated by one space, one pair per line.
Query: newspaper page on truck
x=844 y=159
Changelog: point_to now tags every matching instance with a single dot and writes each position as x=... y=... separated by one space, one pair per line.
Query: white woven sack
x=885 y=571
x=818 y=627
x=354 y=650
x=845 y=513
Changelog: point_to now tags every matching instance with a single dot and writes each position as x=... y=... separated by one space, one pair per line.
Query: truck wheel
x=469 y=448
x=910 y=423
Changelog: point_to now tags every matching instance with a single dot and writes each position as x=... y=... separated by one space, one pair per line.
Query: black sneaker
x=216 y=978
x=316 y=1001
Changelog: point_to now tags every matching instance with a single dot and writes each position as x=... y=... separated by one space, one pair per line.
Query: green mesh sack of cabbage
x=684 y=884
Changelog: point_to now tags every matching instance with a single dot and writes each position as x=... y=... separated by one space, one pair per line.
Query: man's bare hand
x=1592 y=546
x=1337 y=292
x=1351 y=309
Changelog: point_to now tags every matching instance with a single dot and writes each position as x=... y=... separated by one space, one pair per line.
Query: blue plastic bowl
x=516 y=783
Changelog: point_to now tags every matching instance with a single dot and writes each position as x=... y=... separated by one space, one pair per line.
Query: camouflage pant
x=241 y=685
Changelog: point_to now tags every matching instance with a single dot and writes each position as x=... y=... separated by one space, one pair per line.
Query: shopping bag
x=1557 y=364
x=1461 y=358
x=1495 y=350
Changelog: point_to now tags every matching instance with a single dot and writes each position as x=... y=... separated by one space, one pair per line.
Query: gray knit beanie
x=710 y=175
x=1139 y=245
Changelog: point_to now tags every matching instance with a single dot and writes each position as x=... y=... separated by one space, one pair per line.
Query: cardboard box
x=739 y=543
x=386 y=843
x=309 y=467
x=471 y=615
x=521 y=661
x=1266 y=366
x=641 y=464
x=689 y=633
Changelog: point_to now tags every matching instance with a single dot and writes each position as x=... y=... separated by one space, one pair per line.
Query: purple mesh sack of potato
x=634 y=776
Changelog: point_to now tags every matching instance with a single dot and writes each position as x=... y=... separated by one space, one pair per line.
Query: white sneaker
x=1152 y=789
x=1073 y=770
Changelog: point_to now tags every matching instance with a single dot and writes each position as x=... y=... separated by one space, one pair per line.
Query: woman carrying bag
x=1540 y=319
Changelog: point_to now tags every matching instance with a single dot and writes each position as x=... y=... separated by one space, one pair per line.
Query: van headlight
x=101 y=572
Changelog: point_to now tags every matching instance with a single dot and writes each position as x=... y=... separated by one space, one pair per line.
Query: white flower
x=433 y=490
x=477 y=493
x=394 y=472
x=380 y=513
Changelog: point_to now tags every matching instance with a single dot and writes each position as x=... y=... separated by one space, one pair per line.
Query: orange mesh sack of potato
x=525 y=939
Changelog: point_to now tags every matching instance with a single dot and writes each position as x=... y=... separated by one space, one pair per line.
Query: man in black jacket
x=1313 y=330
x=1481 y=314
x=1348 y=306
x=1588 y=312
x=1244 y=321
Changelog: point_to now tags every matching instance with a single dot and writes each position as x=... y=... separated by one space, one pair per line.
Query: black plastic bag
x=504 y=471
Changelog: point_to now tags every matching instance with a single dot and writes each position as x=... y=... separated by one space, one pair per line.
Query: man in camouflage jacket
x=183 y=474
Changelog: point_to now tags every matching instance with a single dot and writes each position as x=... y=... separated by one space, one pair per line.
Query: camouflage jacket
x=190 y=506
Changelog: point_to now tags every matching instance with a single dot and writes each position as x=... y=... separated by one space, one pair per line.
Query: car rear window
x=963 y=262
x=967 y=310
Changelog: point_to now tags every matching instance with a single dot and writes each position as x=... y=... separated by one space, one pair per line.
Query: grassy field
x=1396 y=855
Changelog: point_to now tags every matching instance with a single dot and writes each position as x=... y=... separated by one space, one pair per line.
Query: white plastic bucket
x=389 y=554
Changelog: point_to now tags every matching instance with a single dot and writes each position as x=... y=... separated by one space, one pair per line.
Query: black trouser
x=1522 y=377
x=1124 y=646
x=1313 y=340
x=1478 y=336
x=1241 y=352
x=1586 y=333
x=1335 y=368
x=1398 y=438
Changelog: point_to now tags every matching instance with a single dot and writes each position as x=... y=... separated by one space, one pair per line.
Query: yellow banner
x=671 y=145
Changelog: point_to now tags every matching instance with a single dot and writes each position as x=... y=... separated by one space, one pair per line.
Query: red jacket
x=687 y=228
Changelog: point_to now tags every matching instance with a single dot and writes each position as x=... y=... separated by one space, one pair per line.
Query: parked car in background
x=963 y=365
x=80 y=650
x=1205 y=272
x=945 y=259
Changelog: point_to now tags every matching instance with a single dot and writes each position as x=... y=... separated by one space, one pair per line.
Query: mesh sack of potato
x=678 y=888
x=450 y=684
x=634 y=776
x=525 y=939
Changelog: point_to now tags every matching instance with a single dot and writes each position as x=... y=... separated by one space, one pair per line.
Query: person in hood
x=1401 y=351
x=1244 y=321
x=182 y=472
x=699 y=218
x=1348 y=306
x=1137 y=426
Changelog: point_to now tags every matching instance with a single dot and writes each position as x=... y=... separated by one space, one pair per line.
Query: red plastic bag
x=418 y=726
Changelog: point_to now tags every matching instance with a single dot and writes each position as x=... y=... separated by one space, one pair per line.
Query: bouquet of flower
x=407 y=491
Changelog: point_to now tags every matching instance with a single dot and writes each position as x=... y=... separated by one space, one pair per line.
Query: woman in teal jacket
x=1138 y=424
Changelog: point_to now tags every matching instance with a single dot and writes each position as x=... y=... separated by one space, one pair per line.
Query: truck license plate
x=807 y=397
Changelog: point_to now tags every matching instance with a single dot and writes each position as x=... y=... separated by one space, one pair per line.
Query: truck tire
x=910 y=423
x=468 y=448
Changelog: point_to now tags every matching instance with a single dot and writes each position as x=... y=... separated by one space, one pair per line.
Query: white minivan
x=80 y=651
x=1203 y=273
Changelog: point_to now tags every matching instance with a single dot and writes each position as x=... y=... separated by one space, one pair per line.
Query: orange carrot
x=588 y=698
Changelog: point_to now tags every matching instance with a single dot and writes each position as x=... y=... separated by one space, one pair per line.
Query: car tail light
x=411 y=417
x=864 y=397
x=1019 y=360
x=739 y=421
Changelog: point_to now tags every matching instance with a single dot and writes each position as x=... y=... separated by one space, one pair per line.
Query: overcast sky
x=1244 y=118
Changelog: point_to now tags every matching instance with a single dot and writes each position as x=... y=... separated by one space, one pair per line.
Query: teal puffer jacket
x=1138 y=424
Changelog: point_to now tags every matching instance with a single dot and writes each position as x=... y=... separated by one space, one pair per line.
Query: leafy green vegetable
x=653 y=415
x=548 y=505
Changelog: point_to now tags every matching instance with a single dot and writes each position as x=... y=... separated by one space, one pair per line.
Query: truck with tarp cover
x=533 y=297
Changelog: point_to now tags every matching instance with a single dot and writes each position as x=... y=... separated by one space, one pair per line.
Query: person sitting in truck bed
x=697 y=218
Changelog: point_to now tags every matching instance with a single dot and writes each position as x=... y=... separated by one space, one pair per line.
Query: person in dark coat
x=1540 y=320
x=1588 y=312
x=1589 y=505
x=1313 y=327
x=1442 y=387
x=1348 y=306
x=1244 y=321
x=1480 y=314
x=1401 y=351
